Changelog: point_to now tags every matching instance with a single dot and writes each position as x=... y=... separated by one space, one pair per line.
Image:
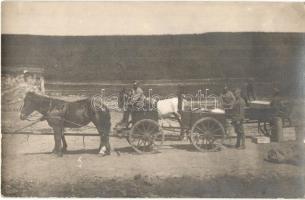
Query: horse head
x=28 y=105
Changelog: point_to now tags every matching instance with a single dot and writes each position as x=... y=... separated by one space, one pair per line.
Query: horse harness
x=58 y=116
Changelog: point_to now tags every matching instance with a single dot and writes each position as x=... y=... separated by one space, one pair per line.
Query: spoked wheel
x=145 y=135
x=207 y=134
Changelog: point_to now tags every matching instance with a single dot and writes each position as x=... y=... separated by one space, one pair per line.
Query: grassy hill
x=265 y=56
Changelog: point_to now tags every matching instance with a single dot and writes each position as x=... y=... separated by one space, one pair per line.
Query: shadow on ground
x=186 y=147
x=68 y=152
x=117 y=151
x=130 y=150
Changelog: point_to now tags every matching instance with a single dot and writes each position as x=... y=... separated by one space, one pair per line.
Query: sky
x=150 y=18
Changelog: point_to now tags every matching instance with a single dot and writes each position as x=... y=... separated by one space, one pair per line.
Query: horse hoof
x=101 y=154
x=59 y=153
x=104 y=154
x=102 y=150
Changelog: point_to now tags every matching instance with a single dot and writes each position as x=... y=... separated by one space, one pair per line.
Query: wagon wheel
x=207 y=134
x=144 y=135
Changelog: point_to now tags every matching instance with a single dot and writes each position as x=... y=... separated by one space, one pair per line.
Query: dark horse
x=60 y=114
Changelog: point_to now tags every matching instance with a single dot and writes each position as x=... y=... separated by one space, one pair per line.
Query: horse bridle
x=43 y=115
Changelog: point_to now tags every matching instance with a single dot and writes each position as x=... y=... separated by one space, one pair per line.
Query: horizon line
x=166 y=34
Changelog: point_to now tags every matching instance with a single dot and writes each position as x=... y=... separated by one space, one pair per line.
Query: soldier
x=298 y=121
x=137 y=97
x=277 y=103
x=131 y=99
x=227 y=98
x=238 y=114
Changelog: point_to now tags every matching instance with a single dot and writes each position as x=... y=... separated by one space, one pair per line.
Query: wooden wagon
x=205 y=130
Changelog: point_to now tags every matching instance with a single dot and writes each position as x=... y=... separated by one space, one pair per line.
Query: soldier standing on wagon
x=138 y=97
x=130 y=99
x=238 y=115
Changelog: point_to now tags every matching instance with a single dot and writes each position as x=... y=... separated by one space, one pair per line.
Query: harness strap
x=62 y=118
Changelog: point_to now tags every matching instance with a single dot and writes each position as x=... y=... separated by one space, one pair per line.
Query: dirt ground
x=175 y=170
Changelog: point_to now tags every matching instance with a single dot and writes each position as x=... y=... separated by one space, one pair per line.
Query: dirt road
x=176 y=170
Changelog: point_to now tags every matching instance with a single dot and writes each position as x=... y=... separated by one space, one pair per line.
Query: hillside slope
x=266 y=56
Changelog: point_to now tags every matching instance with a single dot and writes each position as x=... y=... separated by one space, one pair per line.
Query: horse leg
x=55 y=148
x=104 y=131
x=104 y=147
x=57 y=137
x=64 y=142
x=101 y=142
x=107 y=143
x=103 y=127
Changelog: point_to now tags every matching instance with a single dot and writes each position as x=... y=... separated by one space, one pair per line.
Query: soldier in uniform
x=277 y=103
x=137 y=97
x=130 y=99
x=227 y=98
x=298 y=121
x=238 y=115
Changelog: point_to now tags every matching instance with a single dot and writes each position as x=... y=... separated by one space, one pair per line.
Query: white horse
x=168 y=108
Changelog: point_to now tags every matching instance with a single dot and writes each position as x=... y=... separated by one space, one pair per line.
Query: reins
x=46 y=116
x=29 y=125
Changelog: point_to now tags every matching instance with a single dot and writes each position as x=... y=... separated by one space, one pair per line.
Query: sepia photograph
x=153 y=99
